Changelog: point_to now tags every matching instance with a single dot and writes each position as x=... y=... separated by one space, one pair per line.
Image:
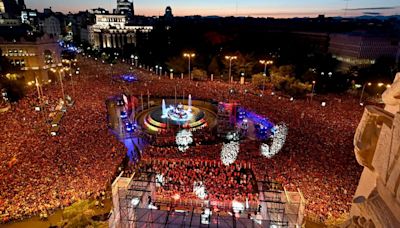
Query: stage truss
x=132 y=196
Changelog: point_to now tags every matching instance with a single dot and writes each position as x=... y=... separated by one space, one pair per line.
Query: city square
x=117 y=130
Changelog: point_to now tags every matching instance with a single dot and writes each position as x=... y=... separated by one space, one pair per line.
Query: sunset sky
x=256 y=8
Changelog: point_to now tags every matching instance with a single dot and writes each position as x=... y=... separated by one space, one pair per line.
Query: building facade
x=35 y=58
x=113 y=31
x=51 y=25
x=359 y=49
x=376 y=202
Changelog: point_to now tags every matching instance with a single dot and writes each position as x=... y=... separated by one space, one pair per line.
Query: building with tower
x=113 y=31
x=168 y=13
x=125 y=7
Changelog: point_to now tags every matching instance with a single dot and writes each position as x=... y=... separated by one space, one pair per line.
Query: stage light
x=199 y=189
x=159 y=180
x=237 y=206
x=279 y=138
x=229 y=152
x=183 y=139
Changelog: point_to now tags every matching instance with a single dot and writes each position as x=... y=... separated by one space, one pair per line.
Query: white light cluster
x=265 y=150
x=278 y=140
x=229 y=152
x=183 y=139
x=232 y=136
x=159 y=180
x=199 y=189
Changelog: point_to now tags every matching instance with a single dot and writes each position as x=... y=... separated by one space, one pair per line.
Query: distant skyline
x=255 y=8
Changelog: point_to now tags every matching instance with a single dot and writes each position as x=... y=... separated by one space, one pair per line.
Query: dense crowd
x=39 y=172
x=221 y=183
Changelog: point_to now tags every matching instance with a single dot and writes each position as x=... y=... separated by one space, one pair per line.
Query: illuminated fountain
x=176 y=116
x=164 y=110
x=178 y=113
x=190 y=103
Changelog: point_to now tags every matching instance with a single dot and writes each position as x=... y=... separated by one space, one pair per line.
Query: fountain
x=164 y=110
x=190 y=103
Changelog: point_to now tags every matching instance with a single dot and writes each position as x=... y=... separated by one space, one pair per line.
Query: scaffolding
x=136 y=205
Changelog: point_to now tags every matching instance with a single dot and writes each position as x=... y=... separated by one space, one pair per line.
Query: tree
x=214 y=67
x=15 y=89
x=244 y=63
x=199 y=74
x=287 y=71
x=259 y=80
x=178 y=64
x=309 y=76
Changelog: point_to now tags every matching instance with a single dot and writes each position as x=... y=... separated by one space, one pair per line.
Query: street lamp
x=136 y=61
x=266 y=63
x=189 y=56
x=362 y=91
x=329 y=74
x=230 y=58
x=61 y=81
x=312 y=90
x=111 y=65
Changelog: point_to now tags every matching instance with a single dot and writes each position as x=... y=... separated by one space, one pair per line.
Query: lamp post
x=61 y=81
x=69 y=62
x=329 y=74
x=312 y=90
x=111 y=66
x=266 y=63
x=362 y=91
x=189 y=56
x=230 y=58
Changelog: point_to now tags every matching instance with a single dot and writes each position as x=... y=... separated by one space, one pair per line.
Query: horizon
x=251 y=8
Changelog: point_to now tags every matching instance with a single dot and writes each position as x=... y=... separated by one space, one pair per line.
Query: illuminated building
x=35 y=58
x=113 y=31
x=359 y=49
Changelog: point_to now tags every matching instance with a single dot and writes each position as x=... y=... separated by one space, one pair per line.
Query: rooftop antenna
x=346 y=8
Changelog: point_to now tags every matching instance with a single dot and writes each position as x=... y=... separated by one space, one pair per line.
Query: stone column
x=117 y=40
x=123 y=38
x=104 y=40
x=113 y=38
x=109 y=40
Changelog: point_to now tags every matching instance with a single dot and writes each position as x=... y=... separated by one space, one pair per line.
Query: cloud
x=373 y=8
x=372 y=13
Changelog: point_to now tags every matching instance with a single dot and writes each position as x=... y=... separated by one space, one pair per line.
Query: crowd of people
x=221 y=183
x=317 y=157
x=50 y=172
x=39 y=172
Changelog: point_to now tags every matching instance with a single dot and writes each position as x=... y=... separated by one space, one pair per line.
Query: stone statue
x=377 y=147
x=391 y=97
